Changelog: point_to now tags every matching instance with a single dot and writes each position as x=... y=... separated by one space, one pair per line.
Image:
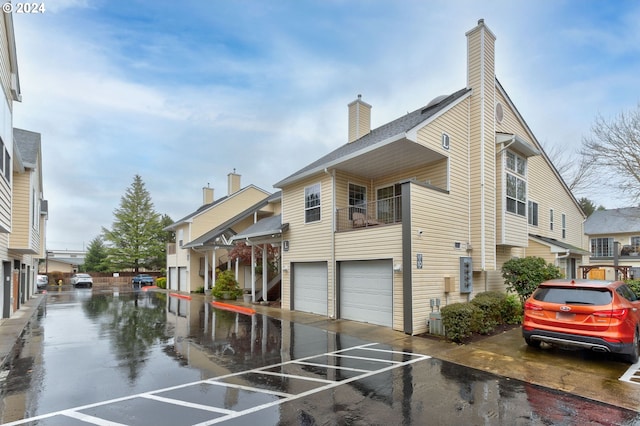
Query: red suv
x=602 y=316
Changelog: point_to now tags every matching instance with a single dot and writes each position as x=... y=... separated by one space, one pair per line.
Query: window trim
x=355 y=207
x=318 y=206
x=532 y=216
x=518 y=172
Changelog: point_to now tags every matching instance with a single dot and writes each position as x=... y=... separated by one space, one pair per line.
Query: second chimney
x=233 y=184
x=207 y=195
x=359 y=119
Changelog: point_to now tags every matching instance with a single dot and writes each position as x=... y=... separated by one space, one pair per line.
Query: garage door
x=366 y=291
x=310 y=287
x=173 y=278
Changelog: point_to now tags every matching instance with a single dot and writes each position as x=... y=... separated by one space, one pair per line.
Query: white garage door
x=366 y=291
x=173 y=278
x=182 y=279
x=310 y=287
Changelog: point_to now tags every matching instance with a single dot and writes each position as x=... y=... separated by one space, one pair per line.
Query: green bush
x=199 y=290
x=226 y=285
x=634 y=285
x=512 y=309
x=522 y=275
x=161 y=282
x=490 y=303
x=460 y=320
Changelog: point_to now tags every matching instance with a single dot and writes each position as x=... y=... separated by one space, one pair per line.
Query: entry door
x=173 y=278
x=310 y=287
x=366 y=291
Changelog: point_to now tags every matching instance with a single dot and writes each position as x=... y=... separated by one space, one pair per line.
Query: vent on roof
x=436 y=100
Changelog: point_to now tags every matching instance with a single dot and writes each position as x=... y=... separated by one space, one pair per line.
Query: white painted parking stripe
x=632 y=375
x=229 y=414
x=248 y=388
x=90 y=419
x=333 y=367
x=187 y=404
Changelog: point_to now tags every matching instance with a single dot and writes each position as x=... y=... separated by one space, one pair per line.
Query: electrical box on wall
x=449 y=284
x=466 y=275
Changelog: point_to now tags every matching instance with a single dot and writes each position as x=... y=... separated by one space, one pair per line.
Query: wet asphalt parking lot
x=147 y=358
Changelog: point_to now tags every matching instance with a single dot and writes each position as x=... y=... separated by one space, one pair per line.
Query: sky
x=124 y=88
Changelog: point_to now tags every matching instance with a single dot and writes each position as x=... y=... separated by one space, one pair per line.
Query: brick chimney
x=207 y=195
x=233 y=184
x=359 y=119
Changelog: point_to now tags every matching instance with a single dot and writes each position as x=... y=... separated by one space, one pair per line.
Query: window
x=635 y=243
x=2 y=154
x=357 y=199
x=7 y=165
x=551 y=219
x=390 y=204
x=312 y=203
x=516 y=184
x=602 y=247
x=564 y=226
x=533 y=213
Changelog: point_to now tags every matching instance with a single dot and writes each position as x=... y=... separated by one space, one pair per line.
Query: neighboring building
x=28 y=214
x=23 y=210
x=66 y=261
x=614 y=240
x=424 y=210
x=203 y=237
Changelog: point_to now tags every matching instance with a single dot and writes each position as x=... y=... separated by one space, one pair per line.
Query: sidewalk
x=590 y=375
x=11 y=329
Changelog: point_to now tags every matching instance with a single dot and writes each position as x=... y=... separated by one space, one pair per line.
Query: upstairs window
x=602 y=247
x=312 y=203
x=357 y=199
x=564 y=226
x=550 y=219
x=516 y=184
x=533 y=213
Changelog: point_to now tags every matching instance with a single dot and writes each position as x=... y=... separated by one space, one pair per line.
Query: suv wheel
x=635 y=355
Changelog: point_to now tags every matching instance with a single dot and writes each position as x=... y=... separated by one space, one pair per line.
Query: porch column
x=264 y=272
x=253 y=273
x=206 y=270
x=237 y=268
x=213 y=265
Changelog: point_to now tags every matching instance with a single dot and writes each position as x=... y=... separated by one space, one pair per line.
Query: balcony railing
x=375 y=213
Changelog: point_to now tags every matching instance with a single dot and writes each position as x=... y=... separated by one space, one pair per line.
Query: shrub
x=634 y=285
x=490 y=303
x=522 y=275
x=199 y=290
x=161 y=282
x=226 y=284
x=460 y=320
x=512 y=310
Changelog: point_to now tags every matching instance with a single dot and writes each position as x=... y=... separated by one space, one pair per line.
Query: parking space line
x=632 y=375
x=187 y=404
x=325 y=384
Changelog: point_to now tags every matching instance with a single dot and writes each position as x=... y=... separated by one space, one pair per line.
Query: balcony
x=383 y=212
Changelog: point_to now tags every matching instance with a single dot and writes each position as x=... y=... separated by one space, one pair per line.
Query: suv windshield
x=573 y=295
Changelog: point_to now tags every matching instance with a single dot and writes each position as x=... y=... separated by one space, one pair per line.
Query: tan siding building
x=423 y=211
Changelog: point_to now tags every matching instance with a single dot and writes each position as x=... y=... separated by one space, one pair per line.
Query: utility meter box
x=466 y=275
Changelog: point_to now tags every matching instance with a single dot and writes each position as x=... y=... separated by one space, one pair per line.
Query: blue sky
x=119 y=88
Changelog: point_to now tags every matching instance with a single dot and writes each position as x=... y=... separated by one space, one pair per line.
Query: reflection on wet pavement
x=147 y=358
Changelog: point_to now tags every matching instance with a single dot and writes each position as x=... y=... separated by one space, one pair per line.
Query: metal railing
x=374 y=213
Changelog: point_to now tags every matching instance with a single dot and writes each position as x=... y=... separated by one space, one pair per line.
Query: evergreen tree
x=135 y=239
x=96 y=258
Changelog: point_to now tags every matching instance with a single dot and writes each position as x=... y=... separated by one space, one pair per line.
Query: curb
x=12 y=329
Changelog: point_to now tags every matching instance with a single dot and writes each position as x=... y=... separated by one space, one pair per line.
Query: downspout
x=333 y=240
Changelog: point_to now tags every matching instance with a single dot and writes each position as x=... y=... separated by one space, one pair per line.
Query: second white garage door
x=310 y=287
x=366 y=291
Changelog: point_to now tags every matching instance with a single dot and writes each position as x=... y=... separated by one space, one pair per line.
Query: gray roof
x=264 y=227
x=613 y=221
x=28 y=143
x=560 y=244
x=396 y=127
x=208 y=238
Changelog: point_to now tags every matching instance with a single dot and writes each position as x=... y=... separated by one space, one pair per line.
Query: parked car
x=42 y=281
x=602 y=316
x=142 y=280
x=82 y=280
